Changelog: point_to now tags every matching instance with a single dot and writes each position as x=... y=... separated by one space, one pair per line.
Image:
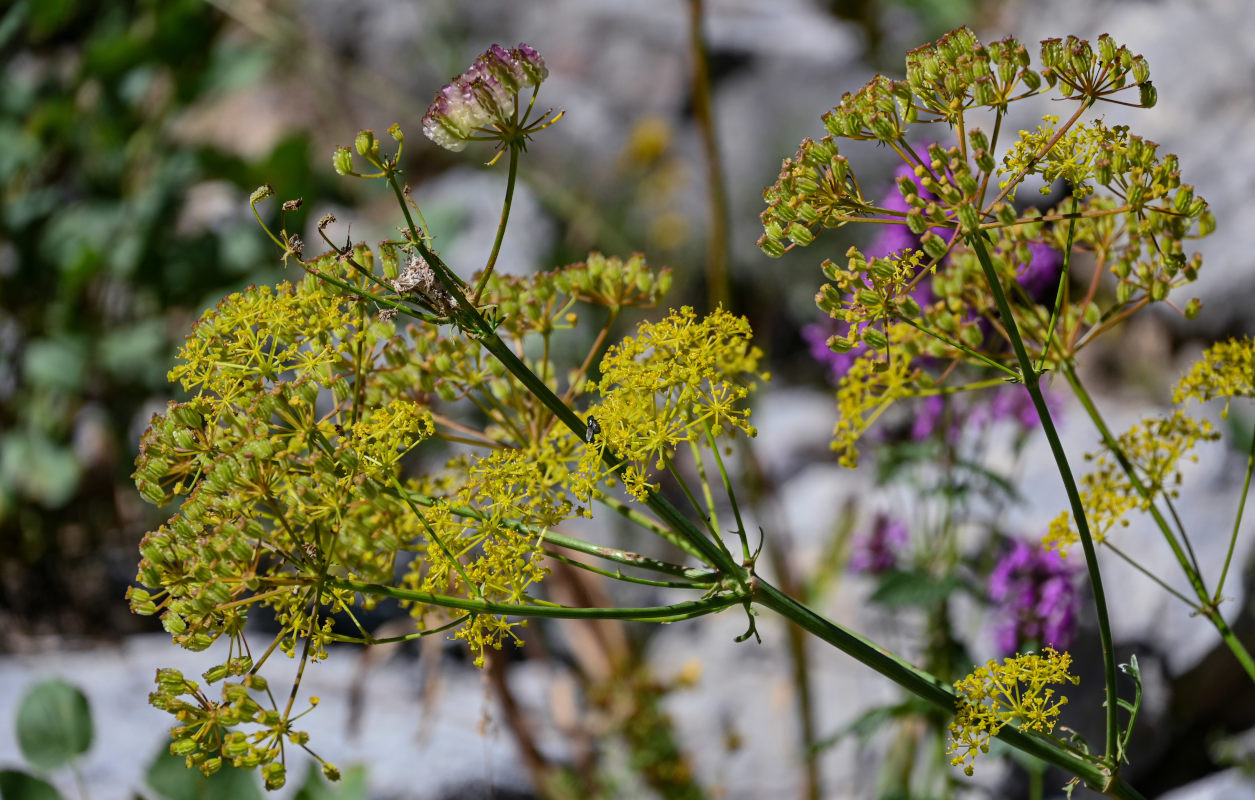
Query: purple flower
x=1036 y=598
x=482 y=96
x=928 y=417
x=1040 y=275
x=1013 y=402
x=876 y=552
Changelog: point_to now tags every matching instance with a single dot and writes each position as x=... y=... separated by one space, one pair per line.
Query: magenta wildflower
x=877 y=551
x=1036 y=598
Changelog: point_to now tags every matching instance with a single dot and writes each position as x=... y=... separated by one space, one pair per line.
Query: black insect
x=591 y=432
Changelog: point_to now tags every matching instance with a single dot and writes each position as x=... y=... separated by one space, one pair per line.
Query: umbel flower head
x=482 y=103
x=1014 y=691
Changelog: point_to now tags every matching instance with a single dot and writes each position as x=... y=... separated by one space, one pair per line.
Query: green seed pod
x=183 y=747
x=1140 y=70
x=969 y=217
x=1148 y=94
x=800 y=234
x=984 y=160
x=882 y=269
x=909 y=306
x=916 y=223
x=828 y=299
x=1159 y=290
x=152 y=492
x=1192 y=308
x=1103 y=172
x=967 y=182
x=234 y=745
x=342 y=161
x=780 y=210
x=883 y=128
x=805 y=184
x=274 y=775
x=868 y=299
x=934 y=246
x=1032 y=80
x=1005 y=212
x=875 y=338
x=985 y=92
x=832 y=123
x=184 y=439
x=840 y=344
x=365 y=143
x=187 y=415
x=171 y=681
x=830 y=269
x=215 y=673
x=1184 y=199
x=1124 y=292
x=1106 y=49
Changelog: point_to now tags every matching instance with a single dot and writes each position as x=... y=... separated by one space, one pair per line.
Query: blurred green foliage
x=118 y=224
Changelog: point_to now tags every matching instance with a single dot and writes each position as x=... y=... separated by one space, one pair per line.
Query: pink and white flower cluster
x=484 y=96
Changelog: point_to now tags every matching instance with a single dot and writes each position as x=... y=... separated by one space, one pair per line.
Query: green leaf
x=170 y=778
x=54 y=724
x=16 y=785
x=898 y=589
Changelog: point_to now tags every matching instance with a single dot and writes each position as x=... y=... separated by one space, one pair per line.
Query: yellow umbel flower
x=1155 y=448
x=1015 y=691
x=667 y=384
x=1227 y=369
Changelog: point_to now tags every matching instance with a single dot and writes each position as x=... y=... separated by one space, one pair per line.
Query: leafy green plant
x=330 y=460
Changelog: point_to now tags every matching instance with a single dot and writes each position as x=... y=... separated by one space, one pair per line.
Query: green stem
x=946 y=340
x=505 y=217
x=727 y=487
x=1237 y=522
x=1135 y=565
x=932 y=690
x=663 y=532
x=1030 y=377
x=671 y=613
x=1061 y=292
x=619 y=576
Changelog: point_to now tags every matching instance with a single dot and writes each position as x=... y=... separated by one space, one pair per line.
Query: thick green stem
x=932 y=690
x=1030 y=378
